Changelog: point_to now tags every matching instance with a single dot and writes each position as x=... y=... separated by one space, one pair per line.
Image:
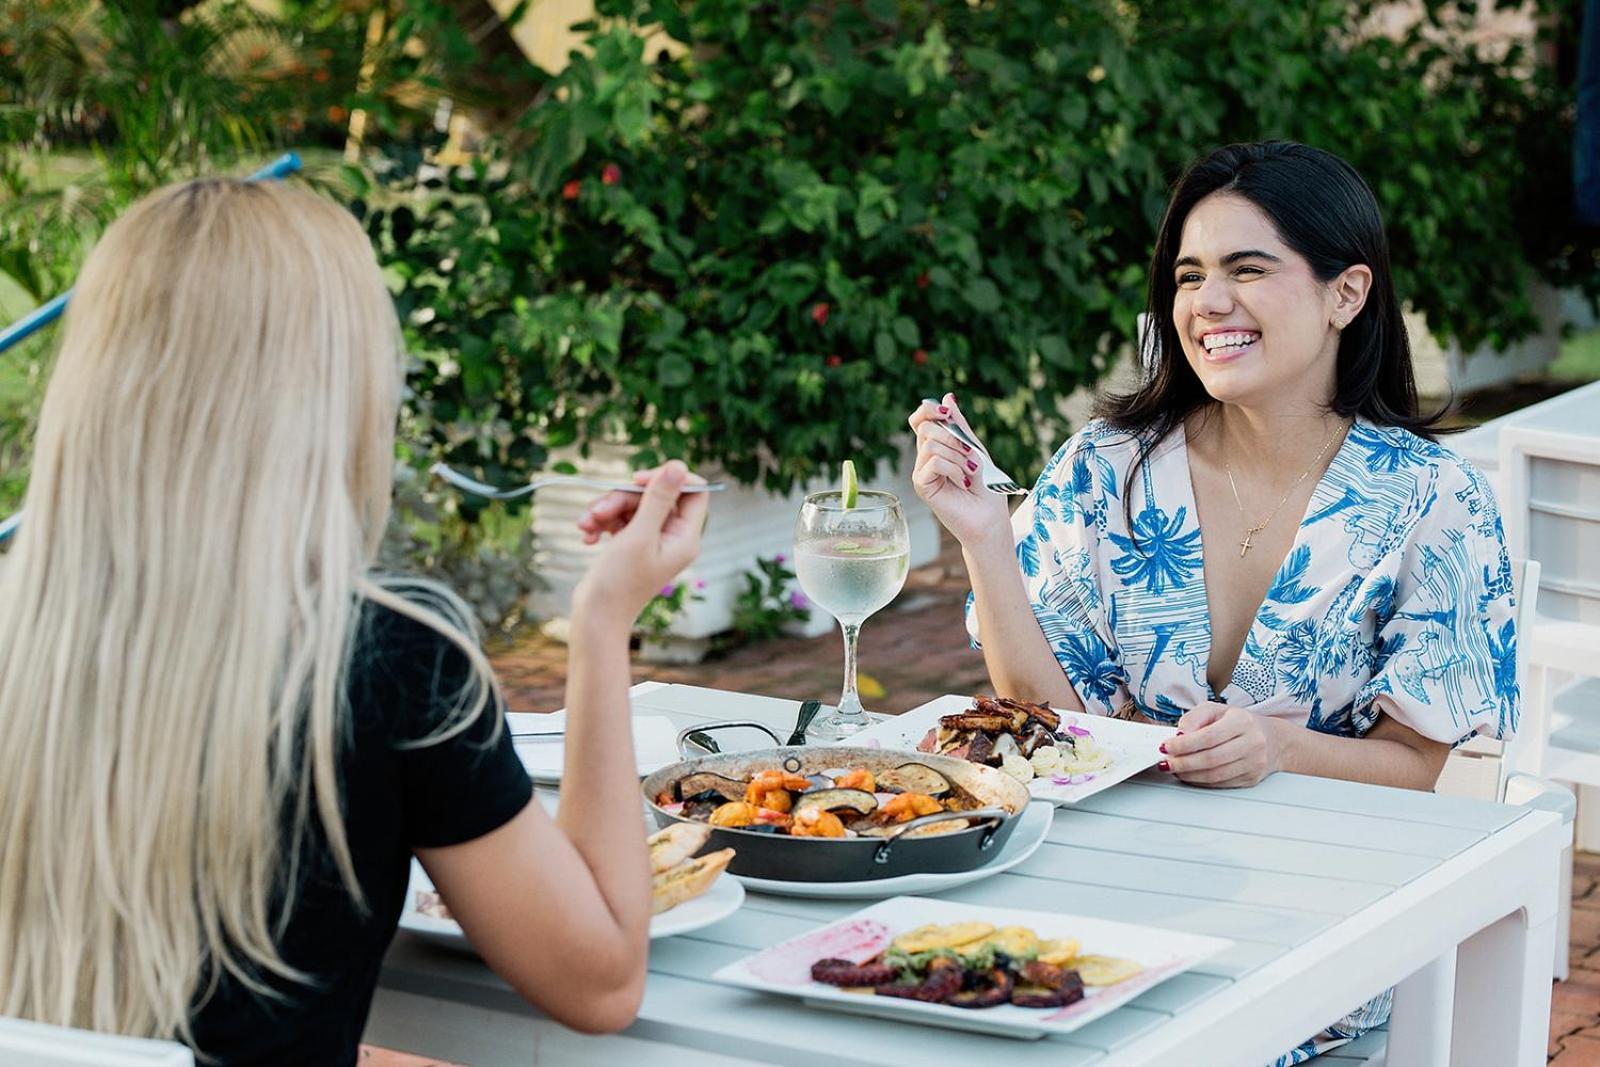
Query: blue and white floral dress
x=1397 y=585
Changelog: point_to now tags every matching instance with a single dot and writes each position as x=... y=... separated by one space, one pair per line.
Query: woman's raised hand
x=655 y=535
x=946 y=477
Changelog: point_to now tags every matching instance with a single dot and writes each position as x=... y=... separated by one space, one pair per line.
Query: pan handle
x=699 y=728
x=995 y=816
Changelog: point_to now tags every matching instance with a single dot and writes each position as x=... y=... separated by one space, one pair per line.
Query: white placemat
x=654 y=743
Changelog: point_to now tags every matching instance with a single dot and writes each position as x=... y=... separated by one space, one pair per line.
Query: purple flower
x=779 y=558
x=799 y=601
x=668 y=589
x=699 y=583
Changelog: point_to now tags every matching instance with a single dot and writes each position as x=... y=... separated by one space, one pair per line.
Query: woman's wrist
x=1284 y=737
x=989 y=545
x=599 y=614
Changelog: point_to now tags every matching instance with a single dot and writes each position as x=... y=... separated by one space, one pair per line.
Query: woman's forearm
x=1019 y=659
x=600 y=806
x=1390 y=754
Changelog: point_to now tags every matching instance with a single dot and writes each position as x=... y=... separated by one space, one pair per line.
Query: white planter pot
x=746 y=524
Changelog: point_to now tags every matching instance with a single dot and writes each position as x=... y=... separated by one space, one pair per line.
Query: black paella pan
x=995 y=803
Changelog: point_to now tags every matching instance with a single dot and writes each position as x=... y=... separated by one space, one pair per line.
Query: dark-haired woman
x=1262 y=544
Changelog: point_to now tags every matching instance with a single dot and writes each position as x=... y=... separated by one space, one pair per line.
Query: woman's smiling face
x=1256 y=324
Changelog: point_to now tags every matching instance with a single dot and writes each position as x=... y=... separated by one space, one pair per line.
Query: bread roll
x=687 y=880
x=676 y=843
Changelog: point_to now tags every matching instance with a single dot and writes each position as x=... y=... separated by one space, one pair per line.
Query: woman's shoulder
x=1448 y=486
x=1112 y=448
x=410 y=626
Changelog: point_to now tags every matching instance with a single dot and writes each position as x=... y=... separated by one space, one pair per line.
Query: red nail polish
x=1178 y=734
x=968 y=481
x=966 y=448
x=1164 y=766
x=1163 y=749
x=971 y=466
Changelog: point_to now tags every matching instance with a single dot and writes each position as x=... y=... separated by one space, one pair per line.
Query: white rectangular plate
x=1134 y=746
x=785 y=969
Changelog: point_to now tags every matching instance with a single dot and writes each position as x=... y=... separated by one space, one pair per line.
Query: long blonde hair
x=211 y=477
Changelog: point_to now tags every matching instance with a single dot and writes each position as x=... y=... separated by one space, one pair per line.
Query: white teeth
x=1214 y=341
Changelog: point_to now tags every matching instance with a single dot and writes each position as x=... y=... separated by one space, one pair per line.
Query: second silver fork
x=483 y=489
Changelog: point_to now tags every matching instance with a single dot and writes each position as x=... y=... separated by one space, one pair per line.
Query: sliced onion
x=1070 y=779
x=1077 y=731
x=673 y=809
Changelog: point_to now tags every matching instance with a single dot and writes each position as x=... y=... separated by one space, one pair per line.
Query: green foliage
x=761 y=253
x=665 y=607
x=769 y=603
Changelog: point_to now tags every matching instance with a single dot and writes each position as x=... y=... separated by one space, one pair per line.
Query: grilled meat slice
x=972 y=720
x=1040 y=712
x=981 y=748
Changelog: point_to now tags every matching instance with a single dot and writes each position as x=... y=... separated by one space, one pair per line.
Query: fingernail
x=943 y=410
x=971 y=466
x=968 y=481
x=966 y=448
x=1178 y=734
x=1163 y=748
x=1164 y=766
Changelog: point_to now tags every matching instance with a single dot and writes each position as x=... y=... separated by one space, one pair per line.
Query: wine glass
x=850 y=562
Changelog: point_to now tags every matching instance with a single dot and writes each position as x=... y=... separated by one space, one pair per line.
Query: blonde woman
x=222 y=736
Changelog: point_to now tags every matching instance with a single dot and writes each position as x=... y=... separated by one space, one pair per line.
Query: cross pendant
x=1245 y=546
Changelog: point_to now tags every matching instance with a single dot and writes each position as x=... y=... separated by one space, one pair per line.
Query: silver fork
x=993 y=478
x=472 y=485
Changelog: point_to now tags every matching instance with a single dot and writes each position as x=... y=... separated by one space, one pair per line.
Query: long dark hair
x=1326 y=213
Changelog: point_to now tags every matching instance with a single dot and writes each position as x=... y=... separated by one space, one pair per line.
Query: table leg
x=1420 y=1023
x=1502 y=1014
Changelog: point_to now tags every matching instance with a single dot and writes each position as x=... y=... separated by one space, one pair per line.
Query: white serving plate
x=1134 y=746
x=785 y=969
x=724 y=898
x=1032 y=828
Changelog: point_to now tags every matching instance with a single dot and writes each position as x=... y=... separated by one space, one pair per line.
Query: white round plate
x=1025 y=840
x=724 y=898
x=720 y=901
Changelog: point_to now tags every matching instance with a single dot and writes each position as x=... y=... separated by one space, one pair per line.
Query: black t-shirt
x=402 y=684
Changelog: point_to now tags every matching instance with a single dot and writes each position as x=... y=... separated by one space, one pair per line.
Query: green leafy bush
x=762 y=252
x=769 y=602
x=664 y=608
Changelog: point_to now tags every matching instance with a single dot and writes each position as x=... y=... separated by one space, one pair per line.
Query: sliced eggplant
x=914 y=778
x=819 y=781
x=700 y=808
x=706 y=782
x=857 y=800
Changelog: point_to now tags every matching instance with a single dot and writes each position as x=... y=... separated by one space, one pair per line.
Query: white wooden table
x=1331 y=891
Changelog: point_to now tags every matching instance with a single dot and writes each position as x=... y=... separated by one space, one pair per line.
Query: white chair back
x=1481 y=767
x=30 y=1044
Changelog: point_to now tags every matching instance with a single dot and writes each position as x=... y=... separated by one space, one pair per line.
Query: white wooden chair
x=1492 y=770
x=30 y=1044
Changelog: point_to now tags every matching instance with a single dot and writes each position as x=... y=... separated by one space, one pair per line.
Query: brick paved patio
x=917 y=650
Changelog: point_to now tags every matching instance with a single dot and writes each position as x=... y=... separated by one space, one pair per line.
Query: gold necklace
x=1245 y=545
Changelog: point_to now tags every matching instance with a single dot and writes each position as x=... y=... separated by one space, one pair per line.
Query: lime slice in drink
x=858 y=548
x=847 y=485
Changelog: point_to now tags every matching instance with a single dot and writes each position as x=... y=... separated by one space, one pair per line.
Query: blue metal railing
x=42 y=316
